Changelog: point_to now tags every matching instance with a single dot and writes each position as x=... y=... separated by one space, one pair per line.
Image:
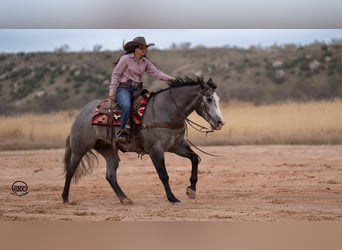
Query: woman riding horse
x=126 y=78
x=163 y=130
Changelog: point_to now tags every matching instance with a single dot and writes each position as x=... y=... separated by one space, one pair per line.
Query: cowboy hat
x=139 y=40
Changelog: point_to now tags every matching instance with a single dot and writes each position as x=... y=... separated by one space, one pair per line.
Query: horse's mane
x=187 y=81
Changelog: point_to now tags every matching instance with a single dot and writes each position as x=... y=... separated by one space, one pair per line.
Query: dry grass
x=288 y=123
x=35 y=130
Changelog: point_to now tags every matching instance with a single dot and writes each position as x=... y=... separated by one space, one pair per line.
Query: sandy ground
x=246 y=183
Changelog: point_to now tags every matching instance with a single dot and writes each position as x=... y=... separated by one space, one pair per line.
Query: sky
x=40 y=40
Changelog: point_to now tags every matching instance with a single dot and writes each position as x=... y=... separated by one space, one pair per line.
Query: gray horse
x=163 y=130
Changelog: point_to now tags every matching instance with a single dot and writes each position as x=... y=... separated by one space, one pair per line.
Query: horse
x=163 y=130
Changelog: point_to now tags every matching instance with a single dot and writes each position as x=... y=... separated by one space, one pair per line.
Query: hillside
x=45 y=82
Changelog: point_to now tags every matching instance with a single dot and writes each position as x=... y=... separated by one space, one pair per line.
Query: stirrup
x=122 y=137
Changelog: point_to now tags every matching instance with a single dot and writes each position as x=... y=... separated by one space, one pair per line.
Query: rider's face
x=141 y=50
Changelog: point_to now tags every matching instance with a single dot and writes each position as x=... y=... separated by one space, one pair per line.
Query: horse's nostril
x=220 y=123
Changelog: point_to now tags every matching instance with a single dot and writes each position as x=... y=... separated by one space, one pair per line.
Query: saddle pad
x=102 y=113
x=104 y=109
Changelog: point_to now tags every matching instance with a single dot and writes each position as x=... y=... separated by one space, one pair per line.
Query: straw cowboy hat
x=139 y=40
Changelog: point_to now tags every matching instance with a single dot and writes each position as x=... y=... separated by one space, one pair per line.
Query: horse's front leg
x=158 y=159
x=185 y=150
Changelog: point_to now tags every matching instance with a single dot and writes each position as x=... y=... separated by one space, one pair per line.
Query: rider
x=126 y=78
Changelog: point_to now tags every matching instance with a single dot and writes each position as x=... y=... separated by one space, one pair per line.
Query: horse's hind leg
x=185 y=150
x=112 y=161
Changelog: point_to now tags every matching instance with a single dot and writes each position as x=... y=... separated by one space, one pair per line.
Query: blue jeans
x=124 y=97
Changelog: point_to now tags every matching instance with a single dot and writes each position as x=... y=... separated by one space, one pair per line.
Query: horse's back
x=89 y=108
x=85 y=114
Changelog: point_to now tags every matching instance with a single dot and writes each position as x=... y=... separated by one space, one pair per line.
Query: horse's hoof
x=190 y=193
x=175 y=201
x=126 y=201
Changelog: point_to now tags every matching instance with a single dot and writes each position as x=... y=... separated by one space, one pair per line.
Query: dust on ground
x=246 y=183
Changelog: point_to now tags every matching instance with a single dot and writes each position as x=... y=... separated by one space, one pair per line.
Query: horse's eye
x=209 y=100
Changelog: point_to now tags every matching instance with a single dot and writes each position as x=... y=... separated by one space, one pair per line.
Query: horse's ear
x=211 y=83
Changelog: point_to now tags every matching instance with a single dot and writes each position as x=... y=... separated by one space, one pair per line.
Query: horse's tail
x=86 y=164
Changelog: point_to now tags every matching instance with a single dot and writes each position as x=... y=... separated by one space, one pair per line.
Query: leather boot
x=123 y=135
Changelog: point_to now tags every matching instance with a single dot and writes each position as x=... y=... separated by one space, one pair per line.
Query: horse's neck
x=175 y=104
x=184 y=99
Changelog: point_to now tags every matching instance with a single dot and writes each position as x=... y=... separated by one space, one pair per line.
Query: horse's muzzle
x=219 y=125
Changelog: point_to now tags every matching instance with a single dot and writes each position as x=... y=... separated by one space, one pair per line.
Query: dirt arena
x=245 y=183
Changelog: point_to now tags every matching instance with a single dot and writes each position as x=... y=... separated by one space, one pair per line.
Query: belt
x=135 y=85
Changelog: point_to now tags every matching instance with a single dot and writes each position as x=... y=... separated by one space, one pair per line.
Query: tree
x=97 y=48
x=63 y=48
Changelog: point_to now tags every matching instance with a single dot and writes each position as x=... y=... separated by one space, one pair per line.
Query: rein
x=198 y=127
x=192 y=144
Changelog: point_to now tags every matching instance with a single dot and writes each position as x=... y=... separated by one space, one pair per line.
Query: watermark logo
x=19 y=188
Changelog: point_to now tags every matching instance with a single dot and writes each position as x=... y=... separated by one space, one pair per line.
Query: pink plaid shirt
x=127 y=68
